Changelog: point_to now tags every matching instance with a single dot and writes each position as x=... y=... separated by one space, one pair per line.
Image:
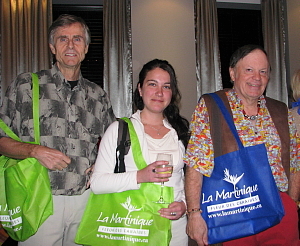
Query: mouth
x=70 y=54
x=253 y=85
x=157 y=100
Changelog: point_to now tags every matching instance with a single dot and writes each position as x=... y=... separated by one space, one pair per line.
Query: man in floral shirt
x=249 y=69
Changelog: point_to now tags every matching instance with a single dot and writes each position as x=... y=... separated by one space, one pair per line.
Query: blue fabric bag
x=241 y=197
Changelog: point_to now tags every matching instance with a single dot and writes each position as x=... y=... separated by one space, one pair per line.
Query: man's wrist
x=193 y=210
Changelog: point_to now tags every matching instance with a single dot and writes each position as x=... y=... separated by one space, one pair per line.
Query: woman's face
x=156 y=90
x=251 y=75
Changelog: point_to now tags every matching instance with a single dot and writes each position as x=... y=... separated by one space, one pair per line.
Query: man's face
x=251 y=75
x=69 y=46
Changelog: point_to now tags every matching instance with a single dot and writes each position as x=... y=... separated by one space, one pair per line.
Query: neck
x=70 y=73
x=251 y=113
x=152 y=119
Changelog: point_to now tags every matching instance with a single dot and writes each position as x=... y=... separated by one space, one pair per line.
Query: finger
x=158 y=177
x=173 y=216
x=64 y=164
x=174 y=205
x=60 y=166
x=159 y=180
x=169 y=212
x=173 y=213
x=158 y=163
x=67 y=160
x=205 y=239
x=163 y=169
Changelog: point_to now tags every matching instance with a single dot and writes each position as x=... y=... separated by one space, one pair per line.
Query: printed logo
x=127 y=205
x=233 y=179
x=236 y=193
x=11 y=218
x=117 y=224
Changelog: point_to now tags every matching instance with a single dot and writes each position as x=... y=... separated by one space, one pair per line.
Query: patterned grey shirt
x=71 y=121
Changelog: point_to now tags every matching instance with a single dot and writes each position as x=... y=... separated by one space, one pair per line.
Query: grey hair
x=66 y=20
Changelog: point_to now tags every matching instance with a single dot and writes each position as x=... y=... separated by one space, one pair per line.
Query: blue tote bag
x=241 y=197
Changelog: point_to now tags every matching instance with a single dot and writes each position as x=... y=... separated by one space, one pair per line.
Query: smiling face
x=156 y=90
x=69 y=46
x=251 y=75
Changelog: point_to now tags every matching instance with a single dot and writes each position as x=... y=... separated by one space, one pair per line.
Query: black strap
x=123 y=145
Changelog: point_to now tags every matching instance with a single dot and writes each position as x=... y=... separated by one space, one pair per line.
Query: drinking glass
x=163 y=157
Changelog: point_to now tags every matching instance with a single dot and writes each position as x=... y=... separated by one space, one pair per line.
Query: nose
x=70 y=44
x=159 y=91
x=257 y=75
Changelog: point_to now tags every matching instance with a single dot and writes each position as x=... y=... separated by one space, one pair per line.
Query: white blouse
x=104 y=180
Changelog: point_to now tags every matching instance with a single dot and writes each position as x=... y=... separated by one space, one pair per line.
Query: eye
x=249 y=70
x=167 y=87
x=264 y=72
x=77 y=39
x=152 y=84
x=63 y=39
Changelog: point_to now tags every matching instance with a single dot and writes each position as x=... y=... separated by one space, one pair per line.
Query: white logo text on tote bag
x=236 y=193
x=127 y=221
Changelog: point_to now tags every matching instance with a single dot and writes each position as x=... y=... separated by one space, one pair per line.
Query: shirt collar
x=60 y=80
x=137 y=116
x=238 y=102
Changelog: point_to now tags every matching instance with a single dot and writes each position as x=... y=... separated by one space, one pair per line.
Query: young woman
x=160 y=129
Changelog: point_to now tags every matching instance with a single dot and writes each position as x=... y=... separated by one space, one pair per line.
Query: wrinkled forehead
x=74 y=29
x=255 y=57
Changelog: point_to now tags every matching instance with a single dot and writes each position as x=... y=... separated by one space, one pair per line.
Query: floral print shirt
x=200 y=153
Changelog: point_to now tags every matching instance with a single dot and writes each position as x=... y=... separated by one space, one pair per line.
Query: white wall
x=164 y=29
x=293 y=11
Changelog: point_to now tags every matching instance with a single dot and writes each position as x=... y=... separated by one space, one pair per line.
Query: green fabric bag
x=129 y=217
x=25 y=193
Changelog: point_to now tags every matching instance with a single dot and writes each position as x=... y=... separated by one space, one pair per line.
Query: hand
x=197 y=229
x=50 y=158
x=150 y=173
x=174 y=211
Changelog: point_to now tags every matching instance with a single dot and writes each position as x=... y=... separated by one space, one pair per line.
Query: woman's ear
x=139 y=88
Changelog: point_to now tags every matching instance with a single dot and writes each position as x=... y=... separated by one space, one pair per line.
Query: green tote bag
x=127 y=218
x=25 y=193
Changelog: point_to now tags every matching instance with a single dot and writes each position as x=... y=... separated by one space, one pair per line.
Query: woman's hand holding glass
x=166 y=167
x=153 y=173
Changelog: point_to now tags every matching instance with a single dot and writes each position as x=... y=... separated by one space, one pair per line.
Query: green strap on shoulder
x=35 y=107
x=8 y=131
x=135 y=145
x=35 y=110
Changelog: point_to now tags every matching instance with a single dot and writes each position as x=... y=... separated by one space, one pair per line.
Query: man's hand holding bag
x=25 y=192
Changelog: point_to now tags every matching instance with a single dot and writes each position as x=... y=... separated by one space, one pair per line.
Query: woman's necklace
x=252 y=117
x=156 y=129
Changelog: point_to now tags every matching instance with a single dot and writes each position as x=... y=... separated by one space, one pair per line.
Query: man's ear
x=52 y=48
x=232 y=74
x=86 y=49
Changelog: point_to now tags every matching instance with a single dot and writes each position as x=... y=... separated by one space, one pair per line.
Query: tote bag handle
x=228 y=118
x=35 y=111
x=135 y=145
x=35 y=107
